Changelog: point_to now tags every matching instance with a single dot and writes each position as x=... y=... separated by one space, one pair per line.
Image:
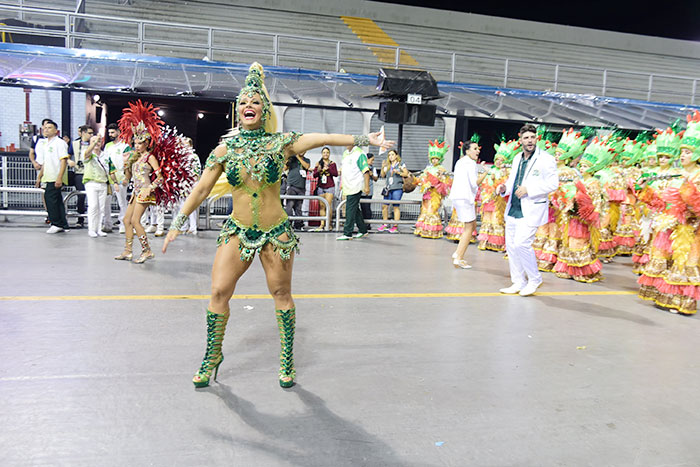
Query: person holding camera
x=324 y=172
x=99 y=173
x=81 y=147
x=394 y=171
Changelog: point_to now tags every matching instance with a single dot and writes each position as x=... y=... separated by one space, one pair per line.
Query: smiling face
x=473 y=151
x=326 y=154
x=664 y=160
x=393 y=156
x=250 y=109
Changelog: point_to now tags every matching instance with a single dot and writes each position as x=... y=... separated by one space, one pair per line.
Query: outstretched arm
x=316 y=140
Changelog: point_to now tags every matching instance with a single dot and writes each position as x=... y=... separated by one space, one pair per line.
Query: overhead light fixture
x=200 y=115
x=161 y=112
x=95 y=98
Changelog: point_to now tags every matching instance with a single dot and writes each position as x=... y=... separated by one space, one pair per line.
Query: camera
x=80 y=164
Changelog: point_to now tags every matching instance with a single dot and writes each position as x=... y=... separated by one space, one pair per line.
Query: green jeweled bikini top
x=260 y=153
x=262 y=156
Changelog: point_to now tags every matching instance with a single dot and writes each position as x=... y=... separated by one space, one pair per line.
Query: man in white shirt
x=354 y=178
x=115 y=150
x=52 y=156
x=532 y=178
x=463 y=194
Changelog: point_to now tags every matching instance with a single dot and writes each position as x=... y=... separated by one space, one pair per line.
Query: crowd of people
x=562 y=205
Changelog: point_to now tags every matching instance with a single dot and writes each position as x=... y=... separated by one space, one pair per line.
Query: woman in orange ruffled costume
x=669 y=238
x=435 y=184
x=678 y=287
x=579 y=202
x=492 y=234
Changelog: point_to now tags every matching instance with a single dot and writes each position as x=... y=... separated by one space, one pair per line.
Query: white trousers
x=192 y=221
x=521 y=256
x=96 y=197
x=120 y=196
x=154 y=215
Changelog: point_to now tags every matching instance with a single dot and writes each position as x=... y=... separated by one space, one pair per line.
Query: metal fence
x=187 y=40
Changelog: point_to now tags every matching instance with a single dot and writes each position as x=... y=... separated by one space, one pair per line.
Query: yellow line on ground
x=298 y=296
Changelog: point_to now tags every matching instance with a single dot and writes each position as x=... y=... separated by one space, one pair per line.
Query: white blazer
x=540 y=180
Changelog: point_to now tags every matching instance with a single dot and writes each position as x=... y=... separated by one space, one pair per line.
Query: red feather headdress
x=140 y=121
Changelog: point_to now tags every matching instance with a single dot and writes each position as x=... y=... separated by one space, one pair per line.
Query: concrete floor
x=477 y=380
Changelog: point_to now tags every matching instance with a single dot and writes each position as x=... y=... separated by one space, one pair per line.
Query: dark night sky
x=673 y=19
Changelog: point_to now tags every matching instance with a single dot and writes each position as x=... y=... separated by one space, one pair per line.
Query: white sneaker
x=343 y=237
x=101 y=233
x=513 y=289
x=92 y=234
x=529 y=289
x=54 y=229
x=151 y=229
x=160 y=233
x=122 y=229
x=360 y=235
x=192 y=232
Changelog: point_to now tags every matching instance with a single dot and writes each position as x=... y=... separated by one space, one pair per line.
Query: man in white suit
x=532 y=178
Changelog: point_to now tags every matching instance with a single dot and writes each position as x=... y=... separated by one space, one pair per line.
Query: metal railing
x=326 y=54
x=341 y=205
x=327 y=218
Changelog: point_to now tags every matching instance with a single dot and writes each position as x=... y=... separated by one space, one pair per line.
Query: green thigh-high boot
x=286 y=320
x=216 y=327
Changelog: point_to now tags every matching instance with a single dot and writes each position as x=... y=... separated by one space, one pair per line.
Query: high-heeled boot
x=128 y=248
x=216 y=327
x=286 y=320
x=146 y=252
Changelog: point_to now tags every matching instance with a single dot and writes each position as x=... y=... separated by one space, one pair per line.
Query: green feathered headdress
x=596 y=156
x=668 y=142
x=437 y=149
x=691 y=136
x=507 y=150
x=572 y=143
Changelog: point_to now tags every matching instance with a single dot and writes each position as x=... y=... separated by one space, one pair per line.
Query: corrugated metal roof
x=92 y=70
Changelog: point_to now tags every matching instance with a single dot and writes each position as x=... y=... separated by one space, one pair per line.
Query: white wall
x=43 y=103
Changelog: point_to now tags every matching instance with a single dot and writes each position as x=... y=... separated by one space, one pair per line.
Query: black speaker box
x=393 y=112
x=403 y=82
x=423 y=114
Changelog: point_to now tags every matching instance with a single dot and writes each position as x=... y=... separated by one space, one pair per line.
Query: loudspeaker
x=423 y=114
x=402 y=82
x=393 y=112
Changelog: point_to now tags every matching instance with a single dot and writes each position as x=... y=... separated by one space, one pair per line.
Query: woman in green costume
x=252 y=158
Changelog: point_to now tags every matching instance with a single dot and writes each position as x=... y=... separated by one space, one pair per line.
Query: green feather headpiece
x=507 y=150
x=571 y=144
x=691 y=137
x=668 y=143
x=596 y=156
x=437 y=149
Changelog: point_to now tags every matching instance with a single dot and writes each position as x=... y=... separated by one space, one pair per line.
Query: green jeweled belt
x=253 y=239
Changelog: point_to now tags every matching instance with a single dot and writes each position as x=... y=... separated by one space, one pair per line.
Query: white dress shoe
x=460 y=263
x=529 y=289
x=513 y=289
